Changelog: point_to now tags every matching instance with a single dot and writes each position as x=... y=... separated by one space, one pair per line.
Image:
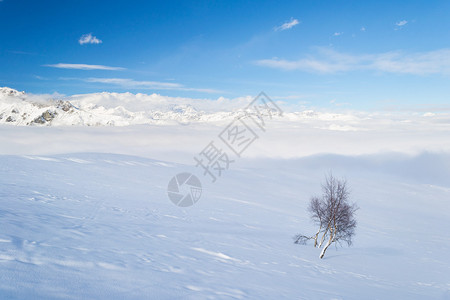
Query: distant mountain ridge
x=123 y=109
x=19 y=108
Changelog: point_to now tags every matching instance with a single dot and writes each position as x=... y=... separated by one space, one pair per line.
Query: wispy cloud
x=363 y=28
x=89 y=39
x=330 y=61
x=338 y=33
x=287 y=25
x=83 y=67
x=20 y=52
x=40 y=77
x=400 y=24
x=134 y=84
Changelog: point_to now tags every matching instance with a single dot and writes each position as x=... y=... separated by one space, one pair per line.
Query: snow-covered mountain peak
x=6 y=91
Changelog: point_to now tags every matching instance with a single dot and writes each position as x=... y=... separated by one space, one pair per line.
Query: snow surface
x=84 y=211
x=100 y=226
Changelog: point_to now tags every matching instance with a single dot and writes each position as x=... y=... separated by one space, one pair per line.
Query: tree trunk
x=327 y=245
x=316 y=236
x=323 y=238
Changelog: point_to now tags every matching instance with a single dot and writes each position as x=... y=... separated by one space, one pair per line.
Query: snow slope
x=100 y=226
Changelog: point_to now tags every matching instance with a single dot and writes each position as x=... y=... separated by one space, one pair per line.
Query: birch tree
x=333 y=214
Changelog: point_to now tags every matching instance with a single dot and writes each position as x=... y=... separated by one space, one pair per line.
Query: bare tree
x=333 y=214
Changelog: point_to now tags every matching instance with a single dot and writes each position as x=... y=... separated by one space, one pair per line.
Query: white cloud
x=363 y=28
x=40 y=77
x=130 y=83
x=89 y=39
x=401 y=23
x=288 y=25
x=338 y=33
x=84 y=67
x=330 y=61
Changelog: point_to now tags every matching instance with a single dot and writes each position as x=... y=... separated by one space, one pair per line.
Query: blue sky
x=343 y=54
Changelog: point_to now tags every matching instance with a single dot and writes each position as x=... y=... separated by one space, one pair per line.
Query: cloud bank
x=330 y=61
